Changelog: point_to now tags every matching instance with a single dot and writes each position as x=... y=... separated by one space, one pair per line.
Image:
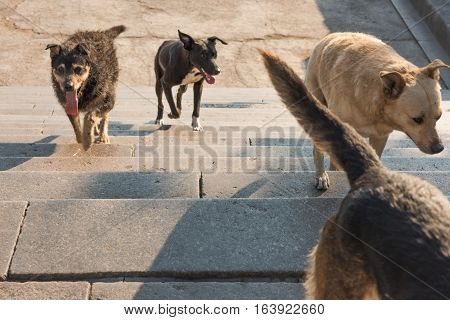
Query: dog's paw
x=196 y=126
x=103 y=139
x=159 y=122
x=323 y=182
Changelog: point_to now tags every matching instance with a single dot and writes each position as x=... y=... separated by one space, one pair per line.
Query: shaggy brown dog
x=391 y=236
x=84 y=76
x=371 y=87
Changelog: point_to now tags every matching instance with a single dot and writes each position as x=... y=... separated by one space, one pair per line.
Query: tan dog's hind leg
x=378 y=143
x=322 y=179
x=103 y=137
x=88 y=129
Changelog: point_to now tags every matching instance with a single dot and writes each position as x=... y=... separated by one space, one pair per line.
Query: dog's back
x=391 y=237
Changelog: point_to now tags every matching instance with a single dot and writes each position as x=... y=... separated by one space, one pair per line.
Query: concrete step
x=437 y=13
x=11 y=217
x=242 y=130
x=186 y=138
x=197 y=291
x=205 y=164
x=44 y=290
x=103 y=185
x=133 y=290
x=293 y=185
x=229 y=238
x=190 y=138
x=168 y=185
x=149 y=149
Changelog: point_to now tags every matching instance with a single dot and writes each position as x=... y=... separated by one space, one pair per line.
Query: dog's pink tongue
x=71 y=103
x=209 y=78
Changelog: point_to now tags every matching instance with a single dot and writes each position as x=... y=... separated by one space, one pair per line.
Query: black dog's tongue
x=209 y=78
x=71 y=103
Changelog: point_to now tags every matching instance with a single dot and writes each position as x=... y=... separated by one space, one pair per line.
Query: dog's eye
x=78 y=70
x=418 y=120
x=204 y=54
x=60 y=70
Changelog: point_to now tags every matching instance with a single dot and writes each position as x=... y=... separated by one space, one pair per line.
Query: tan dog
x=371 y=87
x=391 y=236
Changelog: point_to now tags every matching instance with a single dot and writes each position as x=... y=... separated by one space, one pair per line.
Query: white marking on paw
x=159 y=121
x=323 y=182
x=196 y=126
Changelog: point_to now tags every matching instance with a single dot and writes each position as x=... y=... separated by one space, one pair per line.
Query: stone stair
x=164 y=212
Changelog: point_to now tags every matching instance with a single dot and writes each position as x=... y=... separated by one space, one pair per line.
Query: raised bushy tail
x=115 y=31
x=328 y=133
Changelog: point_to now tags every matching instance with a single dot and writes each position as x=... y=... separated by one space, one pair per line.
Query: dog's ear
x=432 y=70
x=213 y=40
x=55 y=50
x=393 y=84
x=81 y=49
x=187 y=40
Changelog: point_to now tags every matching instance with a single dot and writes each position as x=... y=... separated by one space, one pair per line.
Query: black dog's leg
x=159 y=91
x=181 y=90
x=175 y=114
x=75 y=121
x=198 y=88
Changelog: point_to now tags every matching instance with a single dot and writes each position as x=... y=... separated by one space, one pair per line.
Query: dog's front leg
x=75 y=121
x=322 y=179
x=175 y=114
x=103 y=134
x=198 y=88
x=378 y=143
x=89 y=123
x=181 y=90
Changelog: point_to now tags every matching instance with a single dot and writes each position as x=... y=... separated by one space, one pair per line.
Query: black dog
x=181 y=62
x=84 y=76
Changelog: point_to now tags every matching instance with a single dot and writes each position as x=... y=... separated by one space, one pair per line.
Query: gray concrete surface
x=44 y=290
x=11 y=215
x=98 y=185
x=197 y=291
x=290 y=28
x=291 y=185
x=437 y=13
x=428 y=21
x=185 y=238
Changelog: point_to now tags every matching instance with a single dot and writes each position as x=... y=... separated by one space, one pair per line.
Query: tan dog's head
x=413 y=104
x=70 y=68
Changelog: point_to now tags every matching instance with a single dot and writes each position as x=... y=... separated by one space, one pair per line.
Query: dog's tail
x=329 y=135
x=115 y=31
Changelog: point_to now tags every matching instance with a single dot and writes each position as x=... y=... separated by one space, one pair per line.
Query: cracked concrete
x=290 y=28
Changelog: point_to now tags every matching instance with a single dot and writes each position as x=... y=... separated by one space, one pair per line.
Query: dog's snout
x=437 y=148
x=68 y=86
x=217 y=71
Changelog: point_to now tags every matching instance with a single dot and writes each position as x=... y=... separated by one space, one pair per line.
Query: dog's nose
x=217 y=70
x=437 y=147
x=68 y=86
